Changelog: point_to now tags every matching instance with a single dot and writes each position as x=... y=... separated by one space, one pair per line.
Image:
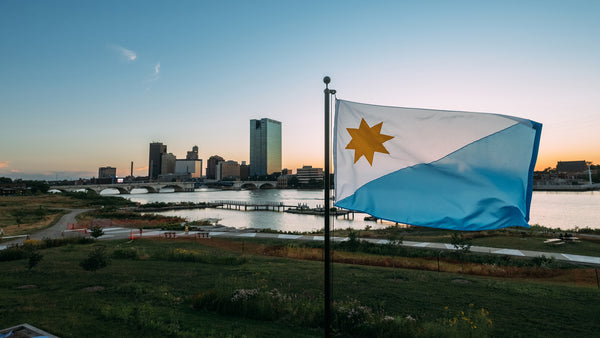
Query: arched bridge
x=250 y=185
x=126 y=188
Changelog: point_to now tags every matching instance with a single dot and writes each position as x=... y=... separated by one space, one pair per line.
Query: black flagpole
x=328 y=92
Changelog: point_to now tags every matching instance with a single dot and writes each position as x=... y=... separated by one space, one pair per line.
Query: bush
x=96 y=231
x=460 y=243
x=34 y=258
x=97 y=259
x=12 y=254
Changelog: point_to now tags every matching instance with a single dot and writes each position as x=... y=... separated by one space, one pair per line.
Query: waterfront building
x=193 y=167
x=283 y=181
x=107 y=172
x=230 y=170
x=308 y=173
x=157 y=149
x=265 y=147
x=211 y=166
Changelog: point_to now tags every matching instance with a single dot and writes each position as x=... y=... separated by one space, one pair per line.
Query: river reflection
x=564 y=210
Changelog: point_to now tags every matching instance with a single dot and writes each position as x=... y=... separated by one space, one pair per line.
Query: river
x=564 y=210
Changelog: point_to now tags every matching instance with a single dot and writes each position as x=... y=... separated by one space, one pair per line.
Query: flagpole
x=326 y=182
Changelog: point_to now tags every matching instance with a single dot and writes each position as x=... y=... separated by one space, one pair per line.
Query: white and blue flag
x=434 y=168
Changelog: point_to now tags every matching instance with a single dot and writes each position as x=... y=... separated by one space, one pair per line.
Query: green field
x=149 y=287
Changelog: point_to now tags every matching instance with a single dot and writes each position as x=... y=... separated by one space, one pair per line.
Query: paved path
x=124 y=233
x=54 y=231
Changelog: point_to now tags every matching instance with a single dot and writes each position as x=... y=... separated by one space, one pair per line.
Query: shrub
x=460 y=243
x=96 y=231
x=97 y=259
x=12 y=254
x=34 y=258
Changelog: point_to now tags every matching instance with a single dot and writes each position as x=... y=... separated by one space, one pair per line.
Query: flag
x=443 y=169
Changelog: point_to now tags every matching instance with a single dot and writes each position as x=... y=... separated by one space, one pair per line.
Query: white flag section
x=434 y=168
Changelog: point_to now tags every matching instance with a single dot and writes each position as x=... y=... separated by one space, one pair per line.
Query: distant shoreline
x=549 y=187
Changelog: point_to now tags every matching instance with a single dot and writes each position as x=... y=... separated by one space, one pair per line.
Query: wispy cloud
x=156 y=72
x=155 y=76
x=128 y=54
x=4 y=164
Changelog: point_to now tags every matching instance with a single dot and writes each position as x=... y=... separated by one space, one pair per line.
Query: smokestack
x=131 y=169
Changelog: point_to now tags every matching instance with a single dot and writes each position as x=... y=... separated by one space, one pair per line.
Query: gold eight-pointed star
x=367 y=140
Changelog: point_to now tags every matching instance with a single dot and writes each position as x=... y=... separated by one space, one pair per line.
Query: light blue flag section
x=434 y=168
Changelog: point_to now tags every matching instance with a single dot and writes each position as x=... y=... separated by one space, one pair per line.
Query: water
x=564 y=210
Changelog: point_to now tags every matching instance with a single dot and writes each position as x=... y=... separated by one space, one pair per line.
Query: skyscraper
x=157 y=149
x=265 y=147
x=211 y=166
x=192 y=155
x=106 y=172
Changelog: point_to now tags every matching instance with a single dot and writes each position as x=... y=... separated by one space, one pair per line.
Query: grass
x=149 y=286
x=520 y=239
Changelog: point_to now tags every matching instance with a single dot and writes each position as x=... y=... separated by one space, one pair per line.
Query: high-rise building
x=211 y=166
x=230 y=170
x=106 y=172
x=192 y=155
x=167 y=164
x=244 y=171
x=265 y=147
x=191 y=167
x=157 y=149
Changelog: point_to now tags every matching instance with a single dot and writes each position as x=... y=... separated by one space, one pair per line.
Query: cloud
x=127 y=53
x=4 y=164
x=155 y=76
x=156 y=72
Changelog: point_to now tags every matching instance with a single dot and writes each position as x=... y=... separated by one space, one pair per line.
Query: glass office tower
x=265 y=147
x=157 y=149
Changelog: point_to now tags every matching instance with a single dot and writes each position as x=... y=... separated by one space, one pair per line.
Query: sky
x=90 y=84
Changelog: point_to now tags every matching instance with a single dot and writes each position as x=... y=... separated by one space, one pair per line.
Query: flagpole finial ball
x=326 y=79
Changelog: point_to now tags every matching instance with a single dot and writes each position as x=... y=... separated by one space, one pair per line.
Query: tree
x=460 y=243
x=19 y=215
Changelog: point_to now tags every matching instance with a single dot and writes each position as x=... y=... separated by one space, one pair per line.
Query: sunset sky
x=89 y=84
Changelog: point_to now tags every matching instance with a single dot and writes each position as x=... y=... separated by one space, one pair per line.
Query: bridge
x=249 y=185
x=126 y=188
x=239 y=185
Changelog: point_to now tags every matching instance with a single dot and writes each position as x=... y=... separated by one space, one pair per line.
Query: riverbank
x=567 y=187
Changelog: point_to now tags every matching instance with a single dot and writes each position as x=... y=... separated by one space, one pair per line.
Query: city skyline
x=87 y=85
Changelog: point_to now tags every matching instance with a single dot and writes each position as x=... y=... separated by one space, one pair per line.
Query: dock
x=279 y=207
x=245 y=206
